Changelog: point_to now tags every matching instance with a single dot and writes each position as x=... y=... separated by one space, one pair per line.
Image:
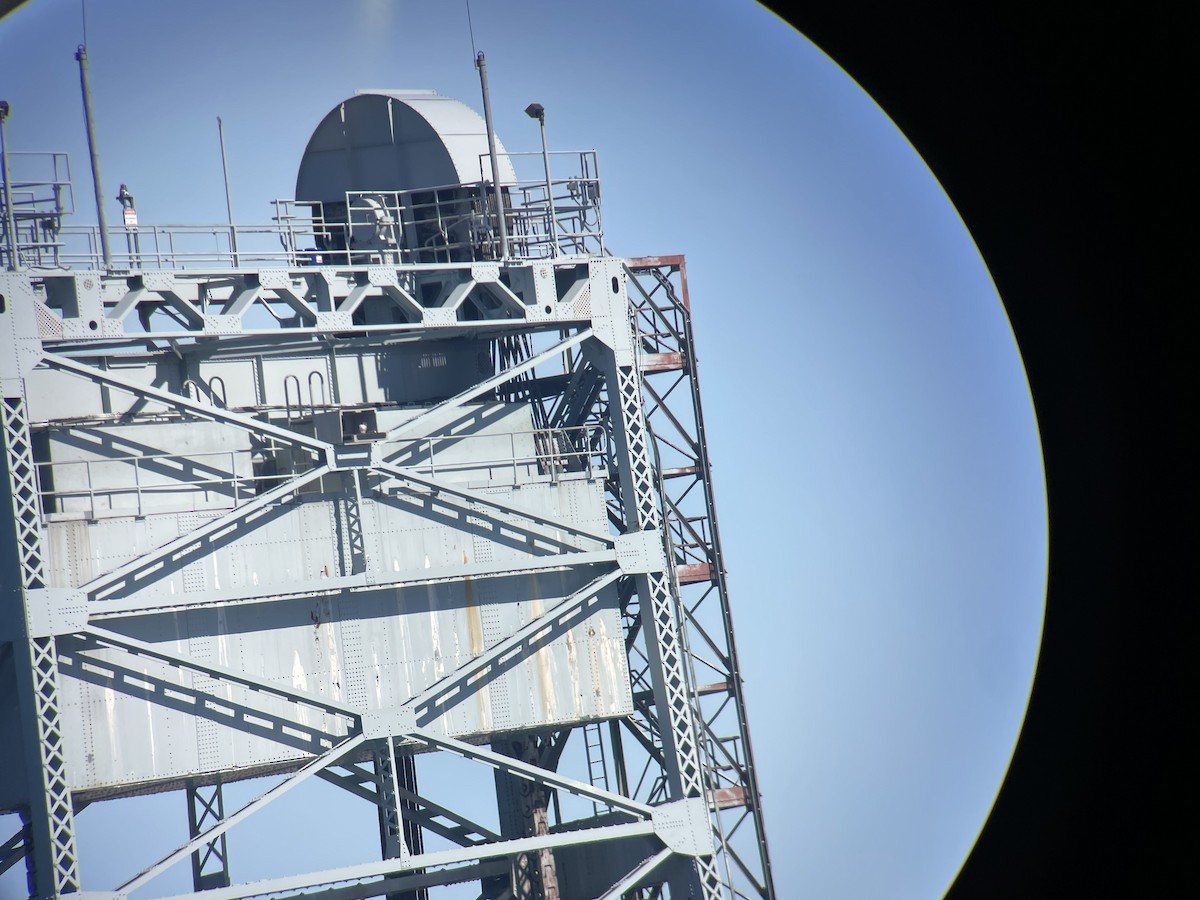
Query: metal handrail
x=140 y=489
x=550 y=458
x=442 y=223
x=549 y=455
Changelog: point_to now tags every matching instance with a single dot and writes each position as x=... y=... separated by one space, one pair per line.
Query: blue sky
x=878 y=474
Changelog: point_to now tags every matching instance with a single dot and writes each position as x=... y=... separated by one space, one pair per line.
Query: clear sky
x=878 y=474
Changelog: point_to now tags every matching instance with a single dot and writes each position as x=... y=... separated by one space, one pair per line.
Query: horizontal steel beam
x=99 y=610
x=409 y=330
x=452 y=857
x=403 y=884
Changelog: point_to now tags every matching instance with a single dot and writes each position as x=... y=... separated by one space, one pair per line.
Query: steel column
x=55 y=863
x=664 y=564
x=210 y=863
x=662 y=319
x=660 y=619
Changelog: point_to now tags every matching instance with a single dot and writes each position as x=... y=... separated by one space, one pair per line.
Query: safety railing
x=441 y=224
x=41 y=196
x=559 y=215
x=90 y=489
x=450 y=223
x=552 y=452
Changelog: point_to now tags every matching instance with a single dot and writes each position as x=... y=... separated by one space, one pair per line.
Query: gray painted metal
x=396 y=141
x=12 y=260
x=314 y=520
x=637 y=875
x=210 y=863
x=97 y=182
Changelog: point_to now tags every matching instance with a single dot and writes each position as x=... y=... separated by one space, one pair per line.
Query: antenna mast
x=481 y=65
x=81 y=56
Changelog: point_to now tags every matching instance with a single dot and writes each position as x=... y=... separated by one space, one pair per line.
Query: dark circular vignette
x=1058 y=133
x=1053 y=131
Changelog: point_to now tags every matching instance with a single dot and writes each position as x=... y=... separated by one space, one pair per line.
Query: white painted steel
x=268 y=517
x=397 y=141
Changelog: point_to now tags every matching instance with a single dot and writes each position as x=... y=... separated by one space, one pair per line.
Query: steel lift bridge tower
x=417 y=467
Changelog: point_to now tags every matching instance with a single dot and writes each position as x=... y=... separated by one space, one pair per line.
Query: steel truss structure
x=600 y=349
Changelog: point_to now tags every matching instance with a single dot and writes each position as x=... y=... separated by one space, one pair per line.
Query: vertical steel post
x=614 y=736
x=481 y=65
x=549 y=189
x=524 y=812
x=210 y=863
x=537 y=111
x=10 y=222
x=133 y=245
x=671 y=320
x=684 y=768
x=53 y=862
x=228 y=205
x=399 y=837
x=81 y=56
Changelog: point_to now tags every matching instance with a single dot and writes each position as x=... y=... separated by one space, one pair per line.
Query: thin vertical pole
x=549 y=189
x=491 y=135
x=10 y=223
x=228 y=205
x=618 y=748
x=81 y=56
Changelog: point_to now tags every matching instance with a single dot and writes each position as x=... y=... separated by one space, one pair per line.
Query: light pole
x=537 y=111
x=10 y=225
x=228 y=205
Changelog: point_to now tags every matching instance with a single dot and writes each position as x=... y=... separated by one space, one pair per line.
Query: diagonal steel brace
x=487 y=385
x=480 y=664
x=453 y=490
x=631 y=879
x=529 y=772
x=212 y=413
x=220 y=673
x=239 y=514
x=278 y=790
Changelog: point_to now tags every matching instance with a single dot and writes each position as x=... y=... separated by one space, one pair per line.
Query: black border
x=1061 y=133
